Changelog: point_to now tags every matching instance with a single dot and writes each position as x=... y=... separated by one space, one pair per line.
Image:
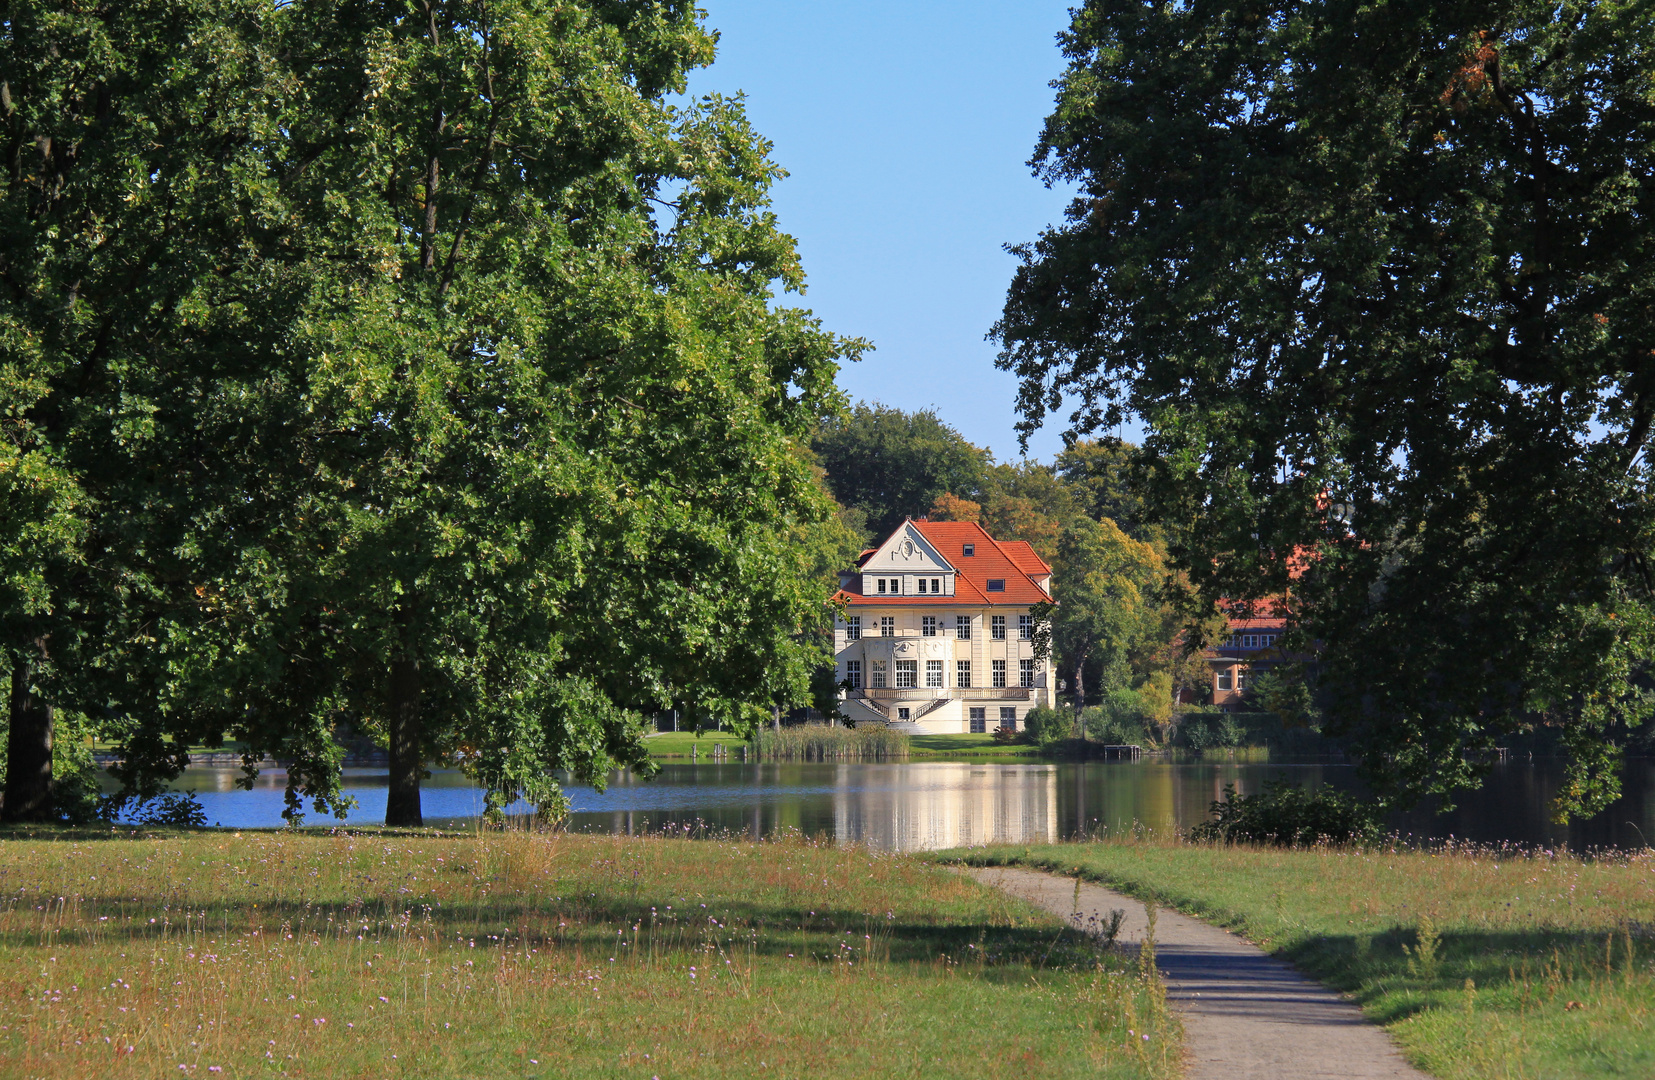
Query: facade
x=1252 y=648
x=938 y=632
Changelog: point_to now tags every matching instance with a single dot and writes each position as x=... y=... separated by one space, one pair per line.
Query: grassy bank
x=374 y=955
x=1483 y=963
x=680 y=744
x=823 y=742
x=953 y=747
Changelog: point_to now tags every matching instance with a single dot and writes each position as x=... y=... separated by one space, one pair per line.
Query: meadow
x=1483 y=962
x=520 y=954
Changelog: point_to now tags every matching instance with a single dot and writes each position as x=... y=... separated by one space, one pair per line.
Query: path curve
x=1246 y=1015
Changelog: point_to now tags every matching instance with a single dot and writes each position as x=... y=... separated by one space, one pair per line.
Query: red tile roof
x=1011 y=561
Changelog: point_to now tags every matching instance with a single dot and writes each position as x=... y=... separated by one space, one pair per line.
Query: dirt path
x=1246 y=1016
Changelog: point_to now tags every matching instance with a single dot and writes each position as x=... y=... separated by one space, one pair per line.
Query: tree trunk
x=1080 y=695
x=775 y=718
x=28 y=750
x=402 y=805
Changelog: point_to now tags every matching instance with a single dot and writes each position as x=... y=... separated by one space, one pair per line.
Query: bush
x=1119 y=719
x=1046 y=725
x=1288 y=815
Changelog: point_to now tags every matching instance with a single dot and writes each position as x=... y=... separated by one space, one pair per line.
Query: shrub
x=1046 y=725
x=1119 y=719
x=1288 y=815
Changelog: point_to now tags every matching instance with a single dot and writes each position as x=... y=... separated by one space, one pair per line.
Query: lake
x=925 y=805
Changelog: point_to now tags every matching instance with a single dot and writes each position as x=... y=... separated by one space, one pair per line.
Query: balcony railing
x=974 y=693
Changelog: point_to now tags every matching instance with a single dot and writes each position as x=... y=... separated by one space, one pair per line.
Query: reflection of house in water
x=941 y=804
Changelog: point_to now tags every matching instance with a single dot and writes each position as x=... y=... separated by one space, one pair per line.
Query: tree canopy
x=459 y=357
x=1377 y=278
x=891 y=465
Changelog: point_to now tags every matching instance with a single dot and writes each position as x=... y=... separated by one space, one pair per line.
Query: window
x=876 y=674
x=1249 y=641
x=853 y=674
x=1008 y=718
x=962 y=674
x=881 y=583
x=1025 y=627
x=907 y=674
x=936 y=586
x=1224 y=679
x=928 y=626
x=933 y=674
x=853 y=628
x=921 y=584
x=996 y=584
x=1241 y=678
x=887 y=626
x=997 y=668
x=903 y=714
x=1025 y=673
x=962 y=627
x=997 y=627
x=979 y=717
x=1269 y=640
x=968 y=550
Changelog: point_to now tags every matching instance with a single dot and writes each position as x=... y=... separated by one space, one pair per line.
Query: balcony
x=974 y=693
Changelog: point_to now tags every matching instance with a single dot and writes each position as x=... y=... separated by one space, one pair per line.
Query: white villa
x=937 y=631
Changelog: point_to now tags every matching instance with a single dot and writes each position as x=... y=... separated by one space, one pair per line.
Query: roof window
x=996 y=584
x=968 y=549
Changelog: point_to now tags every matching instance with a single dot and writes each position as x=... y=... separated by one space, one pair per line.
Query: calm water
x=942 y=804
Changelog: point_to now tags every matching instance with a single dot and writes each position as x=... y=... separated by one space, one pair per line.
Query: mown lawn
x=922 y=747
x=375 y=954
x=1541 y=967
x=680 y=743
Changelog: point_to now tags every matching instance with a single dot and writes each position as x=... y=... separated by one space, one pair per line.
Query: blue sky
x=905 y=128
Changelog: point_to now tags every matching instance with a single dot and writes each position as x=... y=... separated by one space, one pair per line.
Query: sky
x=905 y=127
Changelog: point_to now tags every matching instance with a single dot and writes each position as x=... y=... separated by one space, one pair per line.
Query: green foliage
x=1288 y=815
x=1119 y=719
x=1045 y=725
x=1201 y=731
x=890 y=464
x=1376 y=279
x=1284 y=693
x=427 y=377
x=1107 y=585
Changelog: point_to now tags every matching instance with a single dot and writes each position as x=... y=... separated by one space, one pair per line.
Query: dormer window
x=968 y=550
x=996 y=584
x=921 y=584
x=881 y=584
x=936 y=585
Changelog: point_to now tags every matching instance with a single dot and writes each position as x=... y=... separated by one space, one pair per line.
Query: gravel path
x=1246 y=1016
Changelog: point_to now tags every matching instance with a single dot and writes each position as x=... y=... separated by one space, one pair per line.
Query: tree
x=892 y=465
x=1376 y=279
x=132 y=176
x=1105 y=585
x=1099 y=472
x=514 y=412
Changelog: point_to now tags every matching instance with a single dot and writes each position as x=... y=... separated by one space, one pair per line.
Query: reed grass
x=1482 y=961
x=371 y=954
x=823 y=742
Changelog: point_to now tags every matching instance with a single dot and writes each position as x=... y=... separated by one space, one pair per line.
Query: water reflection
x=925 y=805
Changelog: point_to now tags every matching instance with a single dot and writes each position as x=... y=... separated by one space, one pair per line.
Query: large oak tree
x=1379 y=278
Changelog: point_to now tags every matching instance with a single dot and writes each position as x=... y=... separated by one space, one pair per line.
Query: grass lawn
x=378 y=954
x=921 y=747
x=679 y=743
x=1541 y=965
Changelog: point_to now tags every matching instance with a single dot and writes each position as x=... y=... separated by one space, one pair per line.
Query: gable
x=907 y=551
